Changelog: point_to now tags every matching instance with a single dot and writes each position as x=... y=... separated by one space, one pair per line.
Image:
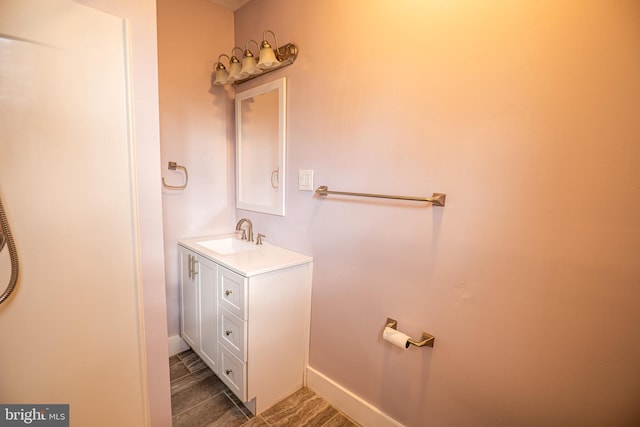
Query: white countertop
x=263 y=259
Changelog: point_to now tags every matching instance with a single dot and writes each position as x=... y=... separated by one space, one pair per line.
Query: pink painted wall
x=195 y=129
x=526 y=115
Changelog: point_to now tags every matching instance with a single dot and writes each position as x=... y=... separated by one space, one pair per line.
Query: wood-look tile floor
x=199 y=398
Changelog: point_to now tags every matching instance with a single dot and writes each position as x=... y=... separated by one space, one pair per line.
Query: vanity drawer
x=233 y=373
x=232 y=333
x=233 y=292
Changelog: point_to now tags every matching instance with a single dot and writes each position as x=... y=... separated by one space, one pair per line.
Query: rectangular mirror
x=261 y=148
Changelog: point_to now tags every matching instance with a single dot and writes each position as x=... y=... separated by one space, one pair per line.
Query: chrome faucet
x=249 y=234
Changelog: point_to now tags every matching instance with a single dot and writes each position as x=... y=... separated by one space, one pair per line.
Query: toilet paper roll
x=396 y=338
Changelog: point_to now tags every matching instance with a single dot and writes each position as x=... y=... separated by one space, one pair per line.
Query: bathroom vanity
x=245 y=310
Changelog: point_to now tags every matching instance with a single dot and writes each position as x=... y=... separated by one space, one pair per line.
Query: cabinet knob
x=228 y=371
x=228 y=292
x=228 y=332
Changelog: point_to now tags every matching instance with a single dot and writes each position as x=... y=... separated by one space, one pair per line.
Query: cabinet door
x=189 y=298
x=208 y=277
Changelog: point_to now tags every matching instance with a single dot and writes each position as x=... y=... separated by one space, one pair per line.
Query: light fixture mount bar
x=286 y=54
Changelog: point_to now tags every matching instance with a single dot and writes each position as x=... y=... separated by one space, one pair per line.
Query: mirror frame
x=280 y=86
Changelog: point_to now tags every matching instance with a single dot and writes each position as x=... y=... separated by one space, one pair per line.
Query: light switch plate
x=305 y=179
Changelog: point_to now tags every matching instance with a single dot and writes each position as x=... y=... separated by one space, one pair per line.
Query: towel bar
x=437 y=199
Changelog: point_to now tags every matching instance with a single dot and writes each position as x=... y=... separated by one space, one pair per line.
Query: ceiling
x=230 y=4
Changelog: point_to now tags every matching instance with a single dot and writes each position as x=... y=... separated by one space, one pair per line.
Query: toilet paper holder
x=427 y=339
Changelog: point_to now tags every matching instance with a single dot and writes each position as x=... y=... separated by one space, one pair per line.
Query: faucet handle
x=244 y=234
x=260 y=238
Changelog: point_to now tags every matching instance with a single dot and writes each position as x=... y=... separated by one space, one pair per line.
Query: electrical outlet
x=305 y=179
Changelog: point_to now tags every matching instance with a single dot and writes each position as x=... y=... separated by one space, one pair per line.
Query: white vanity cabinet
x=261 y=316
x=198 y=302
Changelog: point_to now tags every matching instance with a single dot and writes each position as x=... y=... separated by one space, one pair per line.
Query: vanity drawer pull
x=228 y=371
x=228 y=332
x=228 y=292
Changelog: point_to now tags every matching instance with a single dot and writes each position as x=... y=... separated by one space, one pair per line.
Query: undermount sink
x=227 y=245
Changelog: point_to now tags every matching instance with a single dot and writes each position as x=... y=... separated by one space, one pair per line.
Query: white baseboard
x=177 y=345
x=347 y=402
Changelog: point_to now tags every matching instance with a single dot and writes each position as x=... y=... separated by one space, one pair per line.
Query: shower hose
x=7 y=239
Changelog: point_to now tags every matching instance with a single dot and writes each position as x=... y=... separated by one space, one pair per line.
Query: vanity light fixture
x=221 y=73
x=248 y=67
x=268 y=58
x=234 y=66
x=249 y=64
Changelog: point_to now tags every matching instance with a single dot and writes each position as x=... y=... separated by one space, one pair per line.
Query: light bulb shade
x=249 y=67
x=222 y=76
x=268 y=58
x=234 y=72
